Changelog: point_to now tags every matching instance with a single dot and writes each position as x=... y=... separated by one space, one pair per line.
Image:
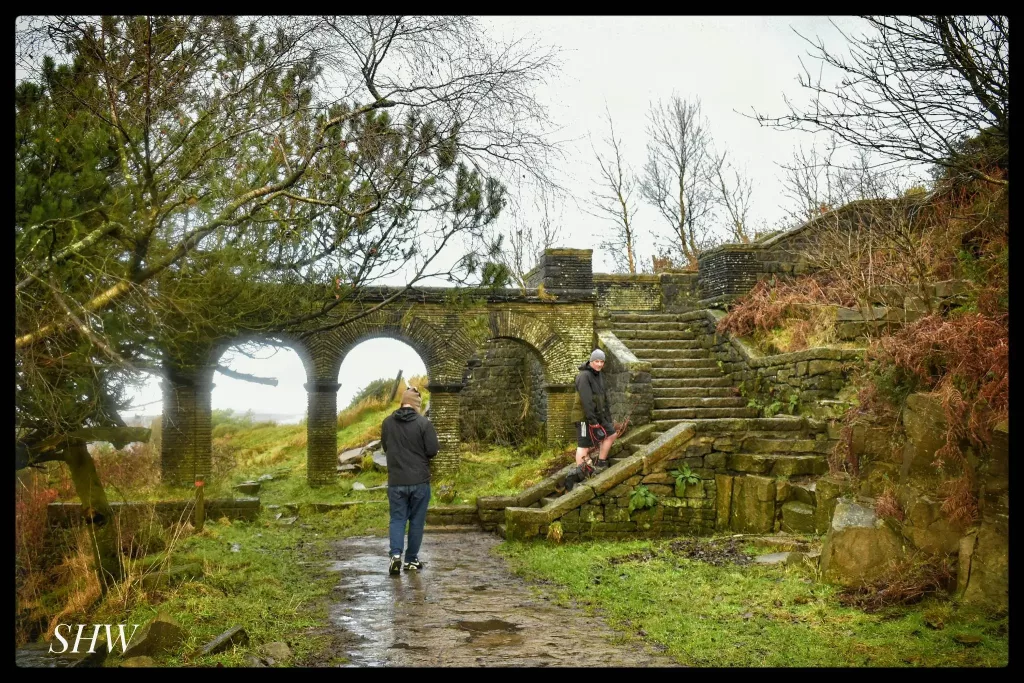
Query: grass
x=753 y=615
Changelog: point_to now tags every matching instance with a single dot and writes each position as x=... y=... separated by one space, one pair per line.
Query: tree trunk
x=97 y=513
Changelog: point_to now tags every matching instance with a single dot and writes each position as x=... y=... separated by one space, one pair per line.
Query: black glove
x=597 y=433
x=608 y=427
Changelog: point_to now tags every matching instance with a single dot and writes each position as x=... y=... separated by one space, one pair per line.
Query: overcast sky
x=733 y=64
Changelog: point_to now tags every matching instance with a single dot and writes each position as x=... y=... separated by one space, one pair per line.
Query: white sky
x=732 y=63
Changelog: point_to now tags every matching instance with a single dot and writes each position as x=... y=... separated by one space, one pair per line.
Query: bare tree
x=735 y=190
x=678 y=178
x=915 y=90
x=533 y=228
x=613 y=202
x=816 y=181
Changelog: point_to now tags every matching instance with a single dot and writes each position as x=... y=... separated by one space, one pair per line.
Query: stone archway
x=186 y=443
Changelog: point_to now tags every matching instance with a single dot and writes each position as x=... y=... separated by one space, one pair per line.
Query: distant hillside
x=280 y=418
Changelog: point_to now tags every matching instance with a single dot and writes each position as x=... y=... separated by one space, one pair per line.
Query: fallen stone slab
x=249 y=488
x=354 y=469
x=351 y=456
x=235 y=635
x=772 y=558
x=162 y=634
x=287 y=520
x=265 y=477
x=172 y=576
x=380 y=461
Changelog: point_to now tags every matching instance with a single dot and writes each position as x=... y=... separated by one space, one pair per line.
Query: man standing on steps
x=409 y=440
x=596 y=428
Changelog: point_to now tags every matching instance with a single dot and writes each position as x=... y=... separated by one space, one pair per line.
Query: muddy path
x=464 y=609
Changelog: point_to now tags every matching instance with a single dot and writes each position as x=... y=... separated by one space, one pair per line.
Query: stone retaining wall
x=812 y=375
x=453 y=515
x=167 y=512
x=496 y=387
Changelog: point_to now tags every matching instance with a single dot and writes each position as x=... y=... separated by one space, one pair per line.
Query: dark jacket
x=593 y=397
x=409 y=440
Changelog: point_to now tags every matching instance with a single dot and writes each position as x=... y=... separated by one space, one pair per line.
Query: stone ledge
x=614 y=346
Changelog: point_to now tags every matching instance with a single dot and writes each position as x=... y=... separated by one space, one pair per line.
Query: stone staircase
x=687 y=382
x=689 y=387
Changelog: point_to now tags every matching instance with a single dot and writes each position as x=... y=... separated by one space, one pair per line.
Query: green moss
x=753 y=615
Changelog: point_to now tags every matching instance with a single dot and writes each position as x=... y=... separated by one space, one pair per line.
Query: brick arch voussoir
x=294 y=342
x=556 y=356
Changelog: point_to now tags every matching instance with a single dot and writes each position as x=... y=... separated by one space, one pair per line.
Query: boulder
x=162 y=634
x=797 y=518
x=141 y=662
x=772 y=558
x=925 y=526
x=859 y=547
x=753 y=505
x=279 y=651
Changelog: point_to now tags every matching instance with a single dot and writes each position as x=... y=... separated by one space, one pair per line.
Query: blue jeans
x=408 y=504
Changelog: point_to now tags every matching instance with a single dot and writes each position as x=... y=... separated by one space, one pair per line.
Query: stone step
x=661 y=382
x=687 y=373
x=677 y=354
x=646 y=344
x=646 y=317
x=668 y=363
x=757 y=444
x=621 y=326
x=684 y=351
x=651 y=335
x=776 y=464
x=761 y=424
x=451 y=528
x=547 y=500
x=500 y=530
x=684 y=414
x=695 y=392
x=706 y=402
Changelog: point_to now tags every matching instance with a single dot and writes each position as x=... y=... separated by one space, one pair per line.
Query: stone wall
x=743 y=486
x=503 y=382
x=810 y=376
x=628 y=292
x=628 y=381
x=563 y=269
x=453 y=515
x=166 y=512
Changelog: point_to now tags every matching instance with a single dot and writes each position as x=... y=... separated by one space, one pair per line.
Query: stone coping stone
x=613 y=345
x=754 y=358
x=626 y=277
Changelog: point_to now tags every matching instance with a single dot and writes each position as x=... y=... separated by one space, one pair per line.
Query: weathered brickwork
x=321 y=431
x=186 y=432
x=503 y=397
x=628 y=292
x=563 y=269
x=444 y=413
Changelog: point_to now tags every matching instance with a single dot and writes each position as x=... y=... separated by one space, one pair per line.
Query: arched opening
x=503 y=400
x=376 y=361
x=279 y=397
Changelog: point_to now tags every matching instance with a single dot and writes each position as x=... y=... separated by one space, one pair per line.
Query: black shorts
x=583 y=435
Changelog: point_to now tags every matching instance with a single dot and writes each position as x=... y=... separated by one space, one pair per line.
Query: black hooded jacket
x=593 y=396
x=409 y=440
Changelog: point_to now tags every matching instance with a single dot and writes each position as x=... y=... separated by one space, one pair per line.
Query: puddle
x=488 y=625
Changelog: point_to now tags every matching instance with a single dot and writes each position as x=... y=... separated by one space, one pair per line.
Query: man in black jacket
x=596 y=428
x=409 y=440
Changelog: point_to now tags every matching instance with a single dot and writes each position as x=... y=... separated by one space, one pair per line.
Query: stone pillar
x=561 y=399
x=321 y=432
x=185 y=442
x=444 y=414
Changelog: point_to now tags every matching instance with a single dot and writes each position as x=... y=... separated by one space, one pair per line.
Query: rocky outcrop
x=859 y=547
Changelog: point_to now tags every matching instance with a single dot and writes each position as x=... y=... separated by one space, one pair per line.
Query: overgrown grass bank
x=754 y=615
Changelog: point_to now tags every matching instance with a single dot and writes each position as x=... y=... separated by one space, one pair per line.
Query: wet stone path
x=464 y=609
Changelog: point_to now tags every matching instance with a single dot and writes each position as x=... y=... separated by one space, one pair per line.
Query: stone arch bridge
x=446 y=327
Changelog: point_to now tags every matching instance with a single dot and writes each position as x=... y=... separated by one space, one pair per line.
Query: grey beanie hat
x=597 y=354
